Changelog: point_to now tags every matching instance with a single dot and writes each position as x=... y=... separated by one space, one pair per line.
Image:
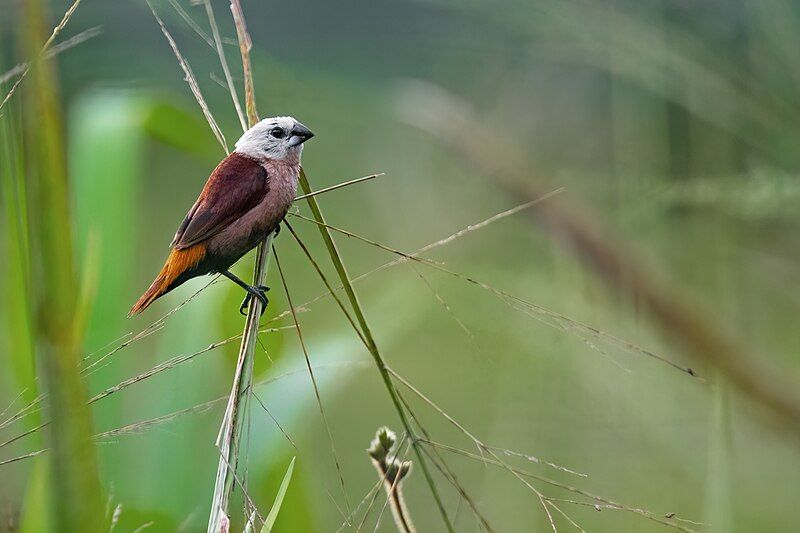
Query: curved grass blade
x=276 y=505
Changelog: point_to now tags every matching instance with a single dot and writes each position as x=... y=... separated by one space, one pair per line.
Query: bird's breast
x=251 y=228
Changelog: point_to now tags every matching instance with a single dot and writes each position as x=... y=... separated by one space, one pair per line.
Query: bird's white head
x=274 y=138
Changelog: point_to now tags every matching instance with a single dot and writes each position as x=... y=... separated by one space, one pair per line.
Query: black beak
x=300 y=134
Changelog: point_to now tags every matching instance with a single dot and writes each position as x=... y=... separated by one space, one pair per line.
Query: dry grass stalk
x=212 y=21
x=60 y=26
x=232 y=422
x=191 y=23
x=344 y=277
x=160 y=323
x=145 y=425
x=192 y=81
x=570 y=488
x=494 y=459
x=54 y=51
x=451 y=119
x=546 y=316
x=245 y=45
x=339 y=186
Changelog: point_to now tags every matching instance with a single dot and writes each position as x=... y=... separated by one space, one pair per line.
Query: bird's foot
x=260 y=292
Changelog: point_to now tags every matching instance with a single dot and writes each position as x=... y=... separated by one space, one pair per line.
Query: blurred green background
x=677 y=122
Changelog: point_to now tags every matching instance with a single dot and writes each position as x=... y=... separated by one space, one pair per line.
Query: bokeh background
x=674 y=122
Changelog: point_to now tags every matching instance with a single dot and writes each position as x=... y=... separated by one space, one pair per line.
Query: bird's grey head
x=274 y=138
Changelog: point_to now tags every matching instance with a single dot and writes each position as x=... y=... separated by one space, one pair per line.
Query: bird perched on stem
x=243 y=201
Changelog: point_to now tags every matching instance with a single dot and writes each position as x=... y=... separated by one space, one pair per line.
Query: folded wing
x=236 y=186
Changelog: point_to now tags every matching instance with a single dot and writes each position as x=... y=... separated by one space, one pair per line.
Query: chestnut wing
x=235 y=187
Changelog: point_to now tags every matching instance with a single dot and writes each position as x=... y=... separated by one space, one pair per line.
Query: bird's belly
x=246 y=232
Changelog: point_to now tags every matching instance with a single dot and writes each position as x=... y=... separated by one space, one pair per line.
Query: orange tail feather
x=178 y=262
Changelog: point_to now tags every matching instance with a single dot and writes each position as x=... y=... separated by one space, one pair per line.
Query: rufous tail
x=178 y=262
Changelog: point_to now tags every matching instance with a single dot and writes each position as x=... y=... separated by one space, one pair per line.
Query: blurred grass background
x=676 y=121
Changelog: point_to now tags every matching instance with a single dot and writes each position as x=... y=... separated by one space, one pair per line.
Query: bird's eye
x=278 y=133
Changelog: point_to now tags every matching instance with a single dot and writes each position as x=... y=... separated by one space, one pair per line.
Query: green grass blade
x=276 y=505
x=373 y=347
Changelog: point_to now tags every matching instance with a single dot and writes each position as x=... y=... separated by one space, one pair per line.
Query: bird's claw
x=259 y=292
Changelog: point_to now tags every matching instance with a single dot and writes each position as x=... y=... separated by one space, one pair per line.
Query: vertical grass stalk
x=230 y=434
x=76 y=486
x=371 y=345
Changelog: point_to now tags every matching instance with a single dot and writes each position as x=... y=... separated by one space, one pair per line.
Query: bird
x=244 y=200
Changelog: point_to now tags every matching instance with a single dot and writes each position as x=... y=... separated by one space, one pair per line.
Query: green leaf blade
x=276 y=505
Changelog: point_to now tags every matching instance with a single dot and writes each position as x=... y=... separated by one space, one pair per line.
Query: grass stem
x=233 y=420
x=76 y=494
x=372 y=346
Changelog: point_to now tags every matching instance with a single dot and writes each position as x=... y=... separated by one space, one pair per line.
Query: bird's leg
x=253 y=291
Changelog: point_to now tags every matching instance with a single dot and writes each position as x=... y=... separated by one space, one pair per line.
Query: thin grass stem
x=339 y=186
x=373 y=348
x=212 y=21
x=54 y=51
x=514 y=302
x=232 y=422
x=145 y=425
x=56 y=30
x=450 y=119
x=190 y=78
x=192 y=24
x=245 y=45
x=160 y=323
x=445 y=469
x=313 y=380
x=325 y=281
